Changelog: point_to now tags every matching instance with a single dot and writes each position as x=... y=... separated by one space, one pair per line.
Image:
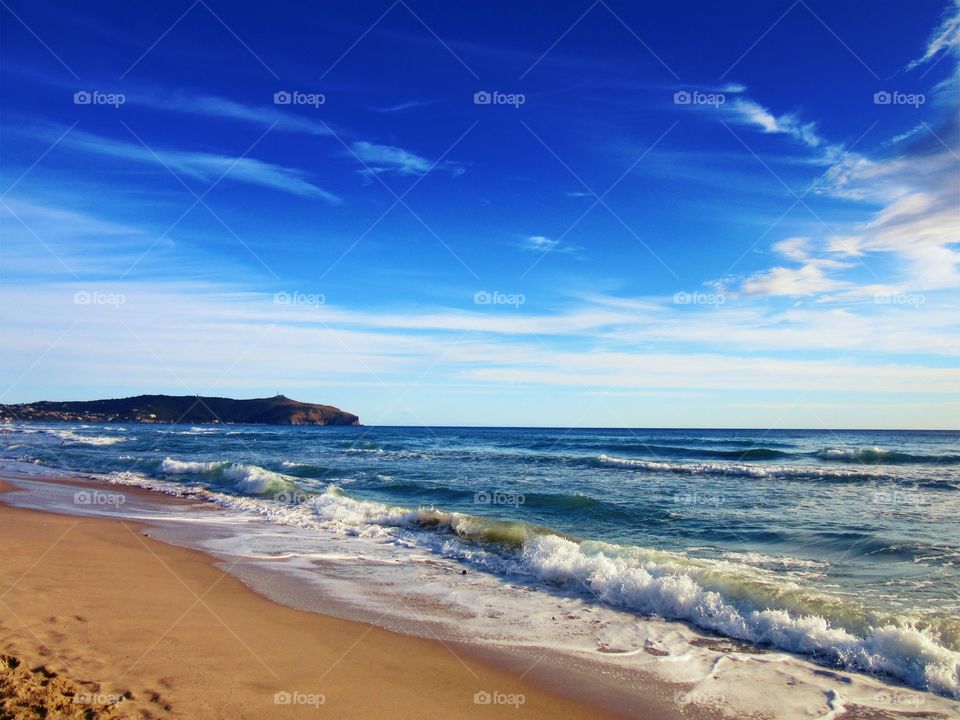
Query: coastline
x=677 y=672
x=158 y=630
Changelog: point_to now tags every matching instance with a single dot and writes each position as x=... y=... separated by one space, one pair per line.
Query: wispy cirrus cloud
x=405 y=106
x=204 y=166
x=544 y=244
x=811 y=275
x=809 y=279
x=945 y=38
x=47 y=237
x=607 y=343
x=278 y=117
x=380 y=159
x=387 y=159
x=752 y=113
x=40 y=216
x=913 y=178
x=918 y=225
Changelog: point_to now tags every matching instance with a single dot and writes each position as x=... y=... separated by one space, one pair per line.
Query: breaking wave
x=737 y=597
x=738 y=470
x=250 y=479
x=879 y=455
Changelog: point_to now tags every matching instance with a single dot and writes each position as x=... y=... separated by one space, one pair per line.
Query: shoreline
x=645 y=428
x=693 y=675
x=88 y=596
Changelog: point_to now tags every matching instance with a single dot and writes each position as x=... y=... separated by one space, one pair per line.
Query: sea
x=838 y=549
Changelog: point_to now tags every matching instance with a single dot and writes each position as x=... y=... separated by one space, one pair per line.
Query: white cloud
x=812 y=277
x=404 y=106
x=379 y=158
x=918 y=222
x=904 y=207
x=945 y=38
x=754 y=113
x=45 y=240
x=808 y=279
x=280 y=118
x=795 y=248
x=906 y=135
x=666 y=370
x=390 y=159
x=55 y=241
x=45 y=218
x=749 y=112
x=845 y=245
x=540 y=243
x=208 y=337
x=207 y=167
x=914 y=184
x=543 y=244
x=386 y=158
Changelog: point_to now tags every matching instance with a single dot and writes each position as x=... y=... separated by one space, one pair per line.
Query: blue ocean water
x=841 y=545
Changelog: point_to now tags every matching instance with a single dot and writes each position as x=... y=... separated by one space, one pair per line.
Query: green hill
x=277 y=410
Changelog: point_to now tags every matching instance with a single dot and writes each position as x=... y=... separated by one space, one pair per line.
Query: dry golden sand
x=98 y=621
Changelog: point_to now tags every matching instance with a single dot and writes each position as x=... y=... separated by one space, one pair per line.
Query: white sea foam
x=255 y=479
x=167 y=487
x=731 y=598
x=72 y=437
x=210 y=430
x=733 y=469
x=250 y=479
x=907 y=653
x=188 y=467
x=853 y=453
x=399 y=573
x=674 y=586
x=780 y=562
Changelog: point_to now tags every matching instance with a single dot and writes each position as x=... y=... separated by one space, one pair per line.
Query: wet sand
x=99 y=621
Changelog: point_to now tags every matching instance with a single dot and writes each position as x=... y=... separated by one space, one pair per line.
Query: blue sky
x=698 y=214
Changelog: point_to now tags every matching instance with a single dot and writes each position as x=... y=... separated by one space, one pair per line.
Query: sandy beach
x=98 y=621
x=161 y=604
x=480 y=360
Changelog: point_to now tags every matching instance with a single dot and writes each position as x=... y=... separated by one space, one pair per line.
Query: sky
x=571 y=214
